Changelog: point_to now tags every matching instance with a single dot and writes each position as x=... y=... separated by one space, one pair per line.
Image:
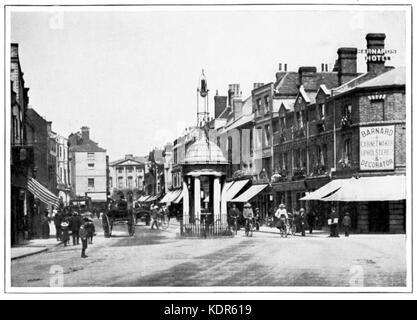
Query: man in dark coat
x=83 y=232
x=346 y=222
x=75 y=224
x=311 y=219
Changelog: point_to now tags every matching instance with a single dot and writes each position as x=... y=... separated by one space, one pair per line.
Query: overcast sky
x=132 y=76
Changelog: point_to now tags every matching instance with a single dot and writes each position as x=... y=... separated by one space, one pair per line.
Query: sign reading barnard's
x=377 y=148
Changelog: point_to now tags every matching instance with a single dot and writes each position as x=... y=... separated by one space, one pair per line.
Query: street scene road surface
x=160 y=258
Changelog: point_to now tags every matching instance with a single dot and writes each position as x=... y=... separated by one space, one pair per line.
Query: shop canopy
x=42 y=193
x=382 y=188
x=143 y=198
x=234 y=189
x=151 y=198
x=179 y=198
x=325 y=190
x=250 y=193
x=170 y=196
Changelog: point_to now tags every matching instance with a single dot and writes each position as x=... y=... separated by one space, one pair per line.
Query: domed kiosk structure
x=204 y=175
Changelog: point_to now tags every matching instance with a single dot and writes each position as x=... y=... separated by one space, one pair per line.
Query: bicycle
x=233 y=225
x=163 y=221
x=249 y=227
x=283 y=228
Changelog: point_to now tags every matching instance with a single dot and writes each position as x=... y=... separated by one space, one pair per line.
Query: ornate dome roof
x=204 y=152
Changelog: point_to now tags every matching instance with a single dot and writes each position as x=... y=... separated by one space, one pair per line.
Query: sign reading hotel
x=376 y=148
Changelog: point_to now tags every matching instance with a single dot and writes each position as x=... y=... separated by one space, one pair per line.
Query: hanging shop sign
x=377 y=148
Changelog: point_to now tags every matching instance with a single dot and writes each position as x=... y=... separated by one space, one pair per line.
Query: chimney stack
x=129 y=157
x=347 y=64
x=306 y=77
x=257 y=85
x=85 y=133
x=234 y=92
x=375 y=57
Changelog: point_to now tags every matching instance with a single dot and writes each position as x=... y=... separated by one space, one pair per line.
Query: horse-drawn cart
x=119 y=214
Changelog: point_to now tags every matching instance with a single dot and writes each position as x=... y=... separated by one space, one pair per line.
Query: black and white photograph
x=180 y=148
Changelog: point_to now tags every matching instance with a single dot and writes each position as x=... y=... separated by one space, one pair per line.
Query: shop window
x=347 y=150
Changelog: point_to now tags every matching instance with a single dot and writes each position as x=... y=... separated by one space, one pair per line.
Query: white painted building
x=127 y=173
x=88 y=167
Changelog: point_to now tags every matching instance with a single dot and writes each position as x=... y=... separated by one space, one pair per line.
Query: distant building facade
x=88 y=167
x=62 y=169
x=127 y=174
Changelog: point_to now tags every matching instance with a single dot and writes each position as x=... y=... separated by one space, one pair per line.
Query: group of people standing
x=79 y=227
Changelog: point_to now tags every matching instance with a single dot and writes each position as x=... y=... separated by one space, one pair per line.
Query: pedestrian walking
x=45 y=225
x=65 y=232
x=334 y=222
x=155 y=215
x=347 y=222
x=83 y=232
x=57 y=223
x=311 y=220
x=91 y=230
x=74 y=226
x=302 y=222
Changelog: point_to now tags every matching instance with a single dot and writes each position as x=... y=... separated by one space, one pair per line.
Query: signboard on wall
x=376 y=148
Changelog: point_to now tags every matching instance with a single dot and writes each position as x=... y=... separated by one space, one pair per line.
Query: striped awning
x=170 y=196
x=42 y=193
x=234 y=189
x=143 y=198
x=179 y=198
x=250 y=193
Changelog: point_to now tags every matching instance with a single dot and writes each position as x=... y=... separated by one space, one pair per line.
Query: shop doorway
x=378 y=216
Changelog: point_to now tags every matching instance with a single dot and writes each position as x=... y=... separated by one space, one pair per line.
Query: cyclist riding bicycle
x=247 y=214
x=233 y=215
x=282 y=216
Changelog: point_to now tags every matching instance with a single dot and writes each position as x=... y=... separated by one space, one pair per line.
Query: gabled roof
x=125 y=161
x=308 y=96
x=324 y=89
x=288 y=104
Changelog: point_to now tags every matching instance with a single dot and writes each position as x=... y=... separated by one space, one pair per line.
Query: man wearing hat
x=303 y=222
x=247 y=213
x=83 y=232
x=347 y=222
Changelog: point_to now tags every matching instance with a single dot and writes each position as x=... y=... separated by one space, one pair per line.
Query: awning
x=250 y=193
x=170 y=196
x=151 y=198
x=143 y=198
x=44 y=195
x=325 y=190
x=179 y=198
x=382 y=188
x=234 y=189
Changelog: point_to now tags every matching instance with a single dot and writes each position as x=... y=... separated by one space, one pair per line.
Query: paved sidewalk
x=35 y=246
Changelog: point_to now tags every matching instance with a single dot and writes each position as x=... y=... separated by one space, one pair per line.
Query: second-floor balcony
x=298 y=173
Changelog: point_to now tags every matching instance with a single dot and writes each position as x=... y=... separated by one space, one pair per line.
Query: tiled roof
x=368 y=80
x=87 y=146
x=393 y=77
x=287 y=83
x=287 y=103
